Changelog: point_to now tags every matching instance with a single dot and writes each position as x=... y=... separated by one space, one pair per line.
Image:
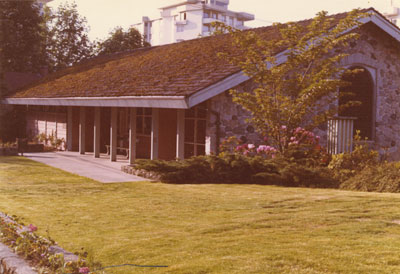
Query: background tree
x=302 y=91
x=121 y=40
x=22 y=49
x=68 y=40
x=23 y=36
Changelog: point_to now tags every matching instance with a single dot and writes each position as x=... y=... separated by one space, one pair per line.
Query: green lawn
x=207 y=228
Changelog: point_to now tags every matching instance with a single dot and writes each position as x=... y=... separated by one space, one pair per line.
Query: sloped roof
x=179 y=69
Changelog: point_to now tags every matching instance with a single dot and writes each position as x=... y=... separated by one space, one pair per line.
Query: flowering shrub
x=37 y=249
x=304 y=146
x=300 y=145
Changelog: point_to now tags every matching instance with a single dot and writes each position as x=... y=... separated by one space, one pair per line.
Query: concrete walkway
x=99 y=169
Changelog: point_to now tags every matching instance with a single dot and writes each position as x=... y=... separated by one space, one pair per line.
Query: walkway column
x=96 y=141
x=69 y=128
x=113 y=135
x=132 y=136
x=82 y=129
x=180 y=134
x=154 y=134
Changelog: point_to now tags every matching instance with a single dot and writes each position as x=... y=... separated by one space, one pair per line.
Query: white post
x=154 y=134
x=82 y=129
x=96 y=141
x=69 y=128
x=180 y=134
x=132 y=136
x=113 y=135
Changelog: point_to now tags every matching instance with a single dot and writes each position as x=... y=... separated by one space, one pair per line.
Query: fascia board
x=178 y=102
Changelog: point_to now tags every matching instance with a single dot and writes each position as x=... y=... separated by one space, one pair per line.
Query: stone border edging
x=12 y=263
x=11 y=260
x=141 y=172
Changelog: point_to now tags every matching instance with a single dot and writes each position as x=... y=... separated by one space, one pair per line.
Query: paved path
x=99 y=169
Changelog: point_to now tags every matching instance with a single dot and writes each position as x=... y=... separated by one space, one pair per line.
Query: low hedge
x=239 y=169
x=383 y=177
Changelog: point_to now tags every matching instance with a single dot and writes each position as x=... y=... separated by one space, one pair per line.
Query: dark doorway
x=362 y=87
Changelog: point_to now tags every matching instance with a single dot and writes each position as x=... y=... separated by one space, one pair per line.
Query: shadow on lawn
x=17 y=160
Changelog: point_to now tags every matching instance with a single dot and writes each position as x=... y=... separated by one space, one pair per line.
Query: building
x=184 y=20
x=155 y=102
x=393 y=13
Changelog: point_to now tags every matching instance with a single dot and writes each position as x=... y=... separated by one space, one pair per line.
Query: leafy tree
x=68 y=40
x=22 y=49
x=301 y=91
x=121 y=40
x=22 y=32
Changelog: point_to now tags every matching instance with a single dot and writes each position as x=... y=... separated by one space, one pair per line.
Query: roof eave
x=177 y=102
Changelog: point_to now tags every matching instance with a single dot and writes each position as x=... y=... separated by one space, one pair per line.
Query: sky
x=104 y=15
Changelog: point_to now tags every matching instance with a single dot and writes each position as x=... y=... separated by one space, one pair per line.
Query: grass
x=207 y=228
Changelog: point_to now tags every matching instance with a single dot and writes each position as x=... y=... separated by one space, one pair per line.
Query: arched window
x=362 y=89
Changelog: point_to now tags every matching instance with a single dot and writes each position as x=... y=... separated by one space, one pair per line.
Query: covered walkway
x=99 y=169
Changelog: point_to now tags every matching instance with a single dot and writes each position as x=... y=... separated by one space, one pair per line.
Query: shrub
x=346 y=165
x=240 y=169
x=383 y=177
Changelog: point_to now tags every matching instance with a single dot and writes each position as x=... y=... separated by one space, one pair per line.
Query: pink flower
x=84 y=270
x=251 y=146
x=32 y=228
x=261 y=148
x=298 y=130
x=283 y=127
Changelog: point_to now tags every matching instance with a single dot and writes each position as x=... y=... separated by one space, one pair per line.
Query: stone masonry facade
x=375 y=51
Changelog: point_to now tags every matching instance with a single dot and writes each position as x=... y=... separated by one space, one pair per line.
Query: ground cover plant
x=382 y=177
x=206 y=228
x=37 y=250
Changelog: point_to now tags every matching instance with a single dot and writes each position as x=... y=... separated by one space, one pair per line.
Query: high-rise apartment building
x=393 y=14
x=190 y=19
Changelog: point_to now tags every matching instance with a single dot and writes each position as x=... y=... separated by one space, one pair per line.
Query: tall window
x=362 y=89
x=143 y=121
x=195 y=130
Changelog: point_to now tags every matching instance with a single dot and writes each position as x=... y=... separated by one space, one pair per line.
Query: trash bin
x=21 y=145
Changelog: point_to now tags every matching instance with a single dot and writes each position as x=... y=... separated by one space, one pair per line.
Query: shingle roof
x=179 y=69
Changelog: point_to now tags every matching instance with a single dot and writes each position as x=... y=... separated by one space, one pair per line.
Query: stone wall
x=379 y=53
x=232 y=119
x=375 y=51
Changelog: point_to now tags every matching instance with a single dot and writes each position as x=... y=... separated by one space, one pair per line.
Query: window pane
x=189 y=130
x=189 y=150
x=147 y=125
x=139 y=111
x=147 y=111
x=201 y=150
x=201 y=132
x=139 y=125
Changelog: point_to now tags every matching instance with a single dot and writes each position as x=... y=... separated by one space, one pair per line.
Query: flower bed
x=41 y=252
